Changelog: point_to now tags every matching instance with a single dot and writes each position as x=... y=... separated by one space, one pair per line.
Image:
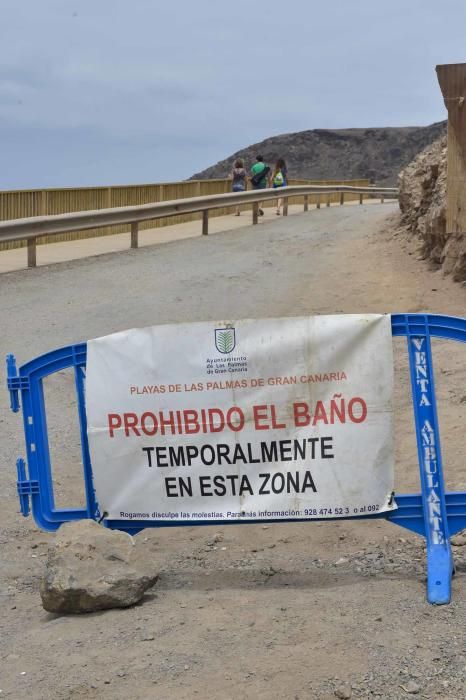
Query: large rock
x=91 y=568
x=423 y=185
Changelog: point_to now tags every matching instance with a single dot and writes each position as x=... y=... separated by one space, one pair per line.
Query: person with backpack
x=239 y=179
x=259 y=177
x=279 y=179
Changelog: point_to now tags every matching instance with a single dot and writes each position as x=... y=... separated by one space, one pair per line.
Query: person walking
x=279 y=179
x=259 y=177
x=239 y=179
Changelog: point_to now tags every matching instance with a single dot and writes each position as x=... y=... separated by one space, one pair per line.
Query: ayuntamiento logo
x=225 y=340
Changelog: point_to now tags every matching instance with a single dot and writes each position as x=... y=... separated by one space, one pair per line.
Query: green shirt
x=256 y=169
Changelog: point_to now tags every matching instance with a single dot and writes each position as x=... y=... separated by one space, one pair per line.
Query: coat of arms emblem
x=225 y=340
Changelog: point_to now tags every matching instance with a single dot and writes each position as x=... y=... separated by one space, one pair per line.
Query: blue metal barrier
x=433 y=514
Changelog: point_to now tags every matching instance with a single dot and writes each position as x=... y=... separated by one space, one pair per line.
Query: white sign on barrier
x=263 y=419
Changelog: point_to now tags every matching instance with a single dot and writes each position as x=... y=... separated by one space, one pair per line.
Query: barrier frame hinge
x=25 y=487
x=15 y=383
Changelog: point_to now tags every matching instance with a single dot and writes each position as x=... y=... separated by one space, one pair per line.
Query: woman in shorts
x=279 y=179
x=238 y=177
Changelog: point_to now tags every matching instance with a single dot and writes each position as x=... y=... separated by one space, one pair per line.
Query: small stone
x=459 y=540
x=412 y=688
x=186 y=667
x=341 y=561
x=148 y=638
x=265 y=527
x=218 y=537
x=344 y=692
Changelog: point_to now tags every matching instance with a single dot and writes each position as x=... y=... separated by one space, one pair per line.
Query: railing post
x=342 y=198
x=285 y=206
x=328 y=199
x=32 y=257
x=134 y=234
x=318 y=202
x=382 y=198
x=205 y=222
x=360 y=197
x=255 y=213
x=306 y=202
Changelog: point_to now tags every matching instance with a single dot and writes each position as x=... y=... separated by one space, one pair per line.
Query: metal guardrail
x=32 y=228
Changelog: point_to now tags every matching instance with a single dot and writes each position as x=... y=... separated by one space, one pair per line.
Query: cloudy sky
x=126 y=91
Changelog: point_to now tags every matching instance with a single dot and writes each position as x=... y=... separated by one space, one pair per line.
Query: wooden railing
x=19 y=204
x=31 y=228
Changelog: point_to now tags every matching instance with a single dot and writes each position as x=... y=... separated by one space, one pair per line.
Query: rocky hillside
x=422 y=202
x=326 y=154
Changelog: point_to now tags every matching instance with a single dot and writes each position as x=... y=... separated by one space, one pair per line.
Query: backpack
x=278 y=179
x=258 y=177
x=239 y=179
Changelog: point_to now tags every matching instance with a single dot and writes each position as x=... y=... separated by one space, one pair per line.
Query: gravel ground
x=292 y=611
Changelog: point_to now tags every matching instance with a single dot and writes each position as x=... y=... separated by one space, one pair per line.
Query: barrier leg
x=328 y=200
x=318 y=202
x=306 y=202
x=440 y=565
x=342 y=198
x=360 y=198
x=285 y=206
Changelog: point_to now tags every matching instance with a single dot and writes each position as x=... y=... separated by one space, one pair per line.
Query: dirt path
x=284 y=612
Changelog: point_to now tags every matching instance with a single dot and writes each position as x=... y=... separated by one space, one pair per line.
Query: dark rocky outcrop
x=327 y=154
